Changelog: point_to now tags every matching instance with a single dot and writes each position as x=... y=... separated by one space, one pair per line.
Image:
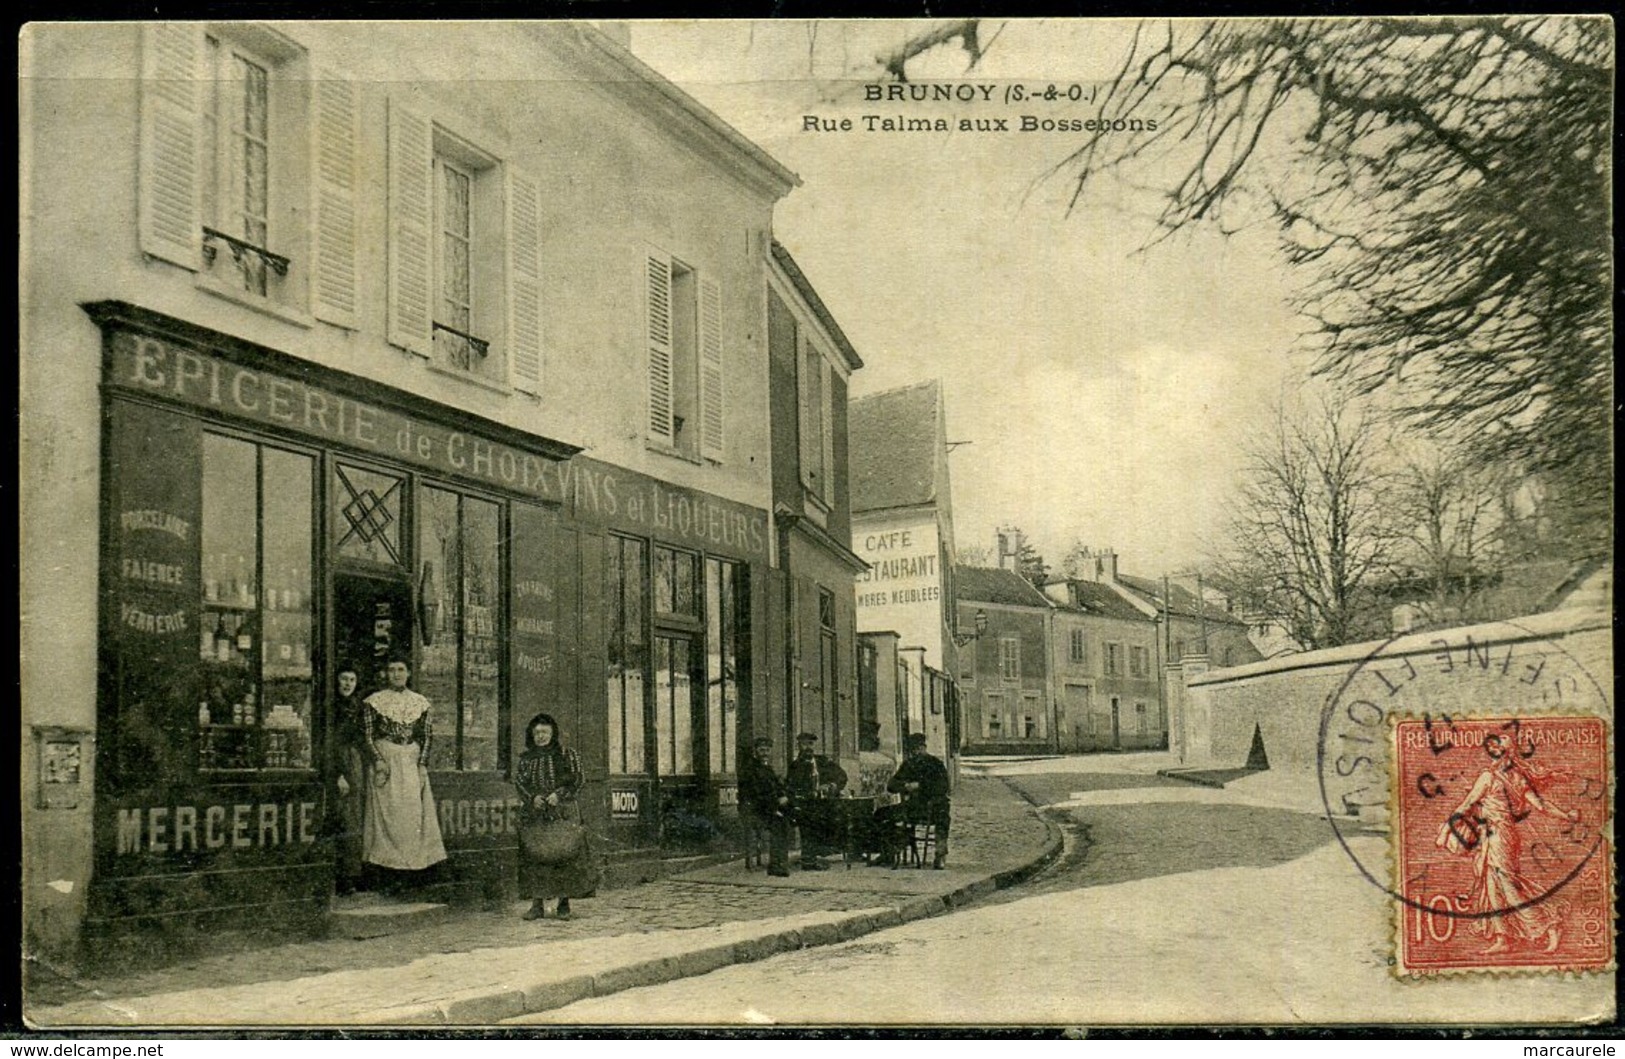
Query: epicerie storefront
x=267 y=521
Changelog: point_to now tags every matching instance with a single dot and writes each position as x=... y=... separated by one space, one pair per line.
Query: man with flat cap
x=922 y=780
x=815 y=783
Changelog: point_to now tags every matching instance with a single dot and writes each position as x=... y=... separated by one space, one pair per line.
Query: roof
x=804 y=288
x=894 y=441
x=1182 y=603
x=982 y=584
x=1101 y=600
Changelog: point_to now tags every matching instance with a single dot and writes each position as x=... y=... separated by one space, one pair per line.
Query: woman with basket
x=555 y=858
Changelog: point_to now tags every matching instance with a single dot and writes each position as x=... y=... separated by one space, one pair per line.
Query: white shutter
x=170 y=214
x=657 y=313
x=712 y=417
x=333 y=200
x=524 y=282
x=411 y=220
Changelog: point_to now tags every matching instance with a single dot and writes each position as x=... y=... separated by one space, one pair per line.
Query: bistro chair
x=920 y=844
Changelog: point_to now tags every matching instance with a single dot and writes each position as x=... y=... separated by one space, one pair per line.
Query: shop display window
x=625 y=581
x=256 y=628
x=459 y=593
x=723 y=610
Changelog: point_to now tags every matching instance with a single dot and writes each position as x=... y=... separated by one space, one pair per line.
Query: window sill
x=675 y=453
x=470 y=378
x=266 y=305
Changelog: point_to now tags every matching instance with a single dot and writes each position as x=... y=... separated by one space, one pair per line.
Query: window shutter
x=826 y=432
x=657 y=273
x=411 y=219
x=712 y=417
x=810 y=382
x=524 y=282
x=333 y=275
x=170 y=211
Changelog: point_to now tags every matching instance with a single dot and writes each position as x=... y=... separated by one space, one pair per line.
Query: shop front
x=678 y=631
x=268 y=523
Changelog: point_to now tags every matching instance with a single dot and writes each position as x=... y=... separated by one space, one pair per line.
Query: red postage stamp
x=1502 y=855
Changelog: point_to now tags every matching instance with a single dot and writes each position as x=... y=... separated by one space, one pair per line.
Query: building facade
x=333 y=355
x=1006 y=697
x=902 y=527
x=811 y=363
x=1106 y=671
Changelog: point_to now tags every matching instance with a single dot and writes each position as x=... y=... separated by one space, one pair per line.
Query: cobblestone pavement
x=993 y=831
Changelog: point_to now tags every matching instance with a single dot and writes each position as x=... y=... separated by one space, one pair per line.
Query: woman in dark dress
x=549 y=777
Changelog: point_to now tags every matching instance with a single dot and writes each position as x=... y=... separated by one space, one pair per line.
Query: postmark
x=1401 y=747
x=1499 y=839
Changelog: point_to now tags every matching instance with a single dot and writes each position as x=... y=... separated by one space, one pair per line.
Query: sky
x=1106 y=391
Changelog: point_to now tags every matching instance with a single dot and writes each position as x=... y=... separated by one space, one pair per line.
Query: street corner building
x=903 y=527
x=461 y=344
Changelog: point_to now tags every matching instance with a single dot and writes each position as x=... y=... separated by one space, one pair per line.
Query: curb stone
x=705 y=961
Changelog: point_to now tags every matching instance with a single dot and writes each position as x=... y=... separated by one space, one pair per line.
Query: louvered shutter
x=524 y=282
x=169 y=212
x=712 y=406
x=411 y=220
x=333 y=200
x=826 y=432
x=657 y=311
x=810 y=382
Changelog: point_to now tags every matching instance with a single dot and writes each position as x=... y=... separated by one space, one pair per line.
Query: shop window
x=256 y=629
x=727 y=610
x=675 y=578
x=626 y=578
x=459 y=591
x=368 y=526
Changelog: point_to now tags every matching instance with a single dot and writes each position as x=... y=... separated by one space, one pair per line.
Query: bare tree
x=1449 y=507
x=1444 y=185
x=1309 y=536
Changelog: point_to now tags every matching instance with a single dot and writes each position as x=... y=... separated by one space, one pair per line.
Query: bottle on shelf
x=222 y=640
x=205 y=635
x=203 y=715
x=245 y=636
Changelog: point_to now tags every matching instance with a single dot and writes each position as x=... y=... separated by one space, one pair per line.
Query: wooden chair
x=920 y=845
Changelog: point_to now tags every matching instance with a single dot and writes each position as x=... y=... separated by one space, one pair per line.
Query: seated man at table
x=815 y=783
x=922 y=780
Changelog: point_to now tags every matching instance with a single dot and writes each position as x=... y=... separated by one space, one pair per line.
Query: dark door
x=1117 y=743
x=372 y=619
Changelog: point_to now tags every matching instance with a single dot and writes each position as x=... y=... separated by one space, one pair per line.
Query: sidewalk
x=475 y=967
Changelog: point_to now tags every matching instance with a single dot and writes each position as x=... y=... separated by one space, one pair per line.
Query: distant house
x=1004 y=672
x=1106 y=670
x=1192 y=625
x=902 y=526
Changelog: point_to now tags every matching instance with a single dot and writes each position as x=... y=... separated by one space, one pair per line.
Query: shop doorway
x=1117 y=731
x=372 y=618
x=680 y=738
x=372 y=623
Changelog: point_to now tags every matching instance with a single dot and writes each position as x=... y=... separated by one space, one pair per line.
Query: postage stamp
x=1500 y=840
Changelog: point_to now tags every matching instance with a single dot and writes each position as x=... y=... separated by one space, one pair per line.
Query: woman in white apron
x=401 y=830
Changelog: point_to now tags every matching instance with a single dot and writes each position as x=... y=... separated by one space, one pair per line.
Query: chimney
x=1109 y=567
